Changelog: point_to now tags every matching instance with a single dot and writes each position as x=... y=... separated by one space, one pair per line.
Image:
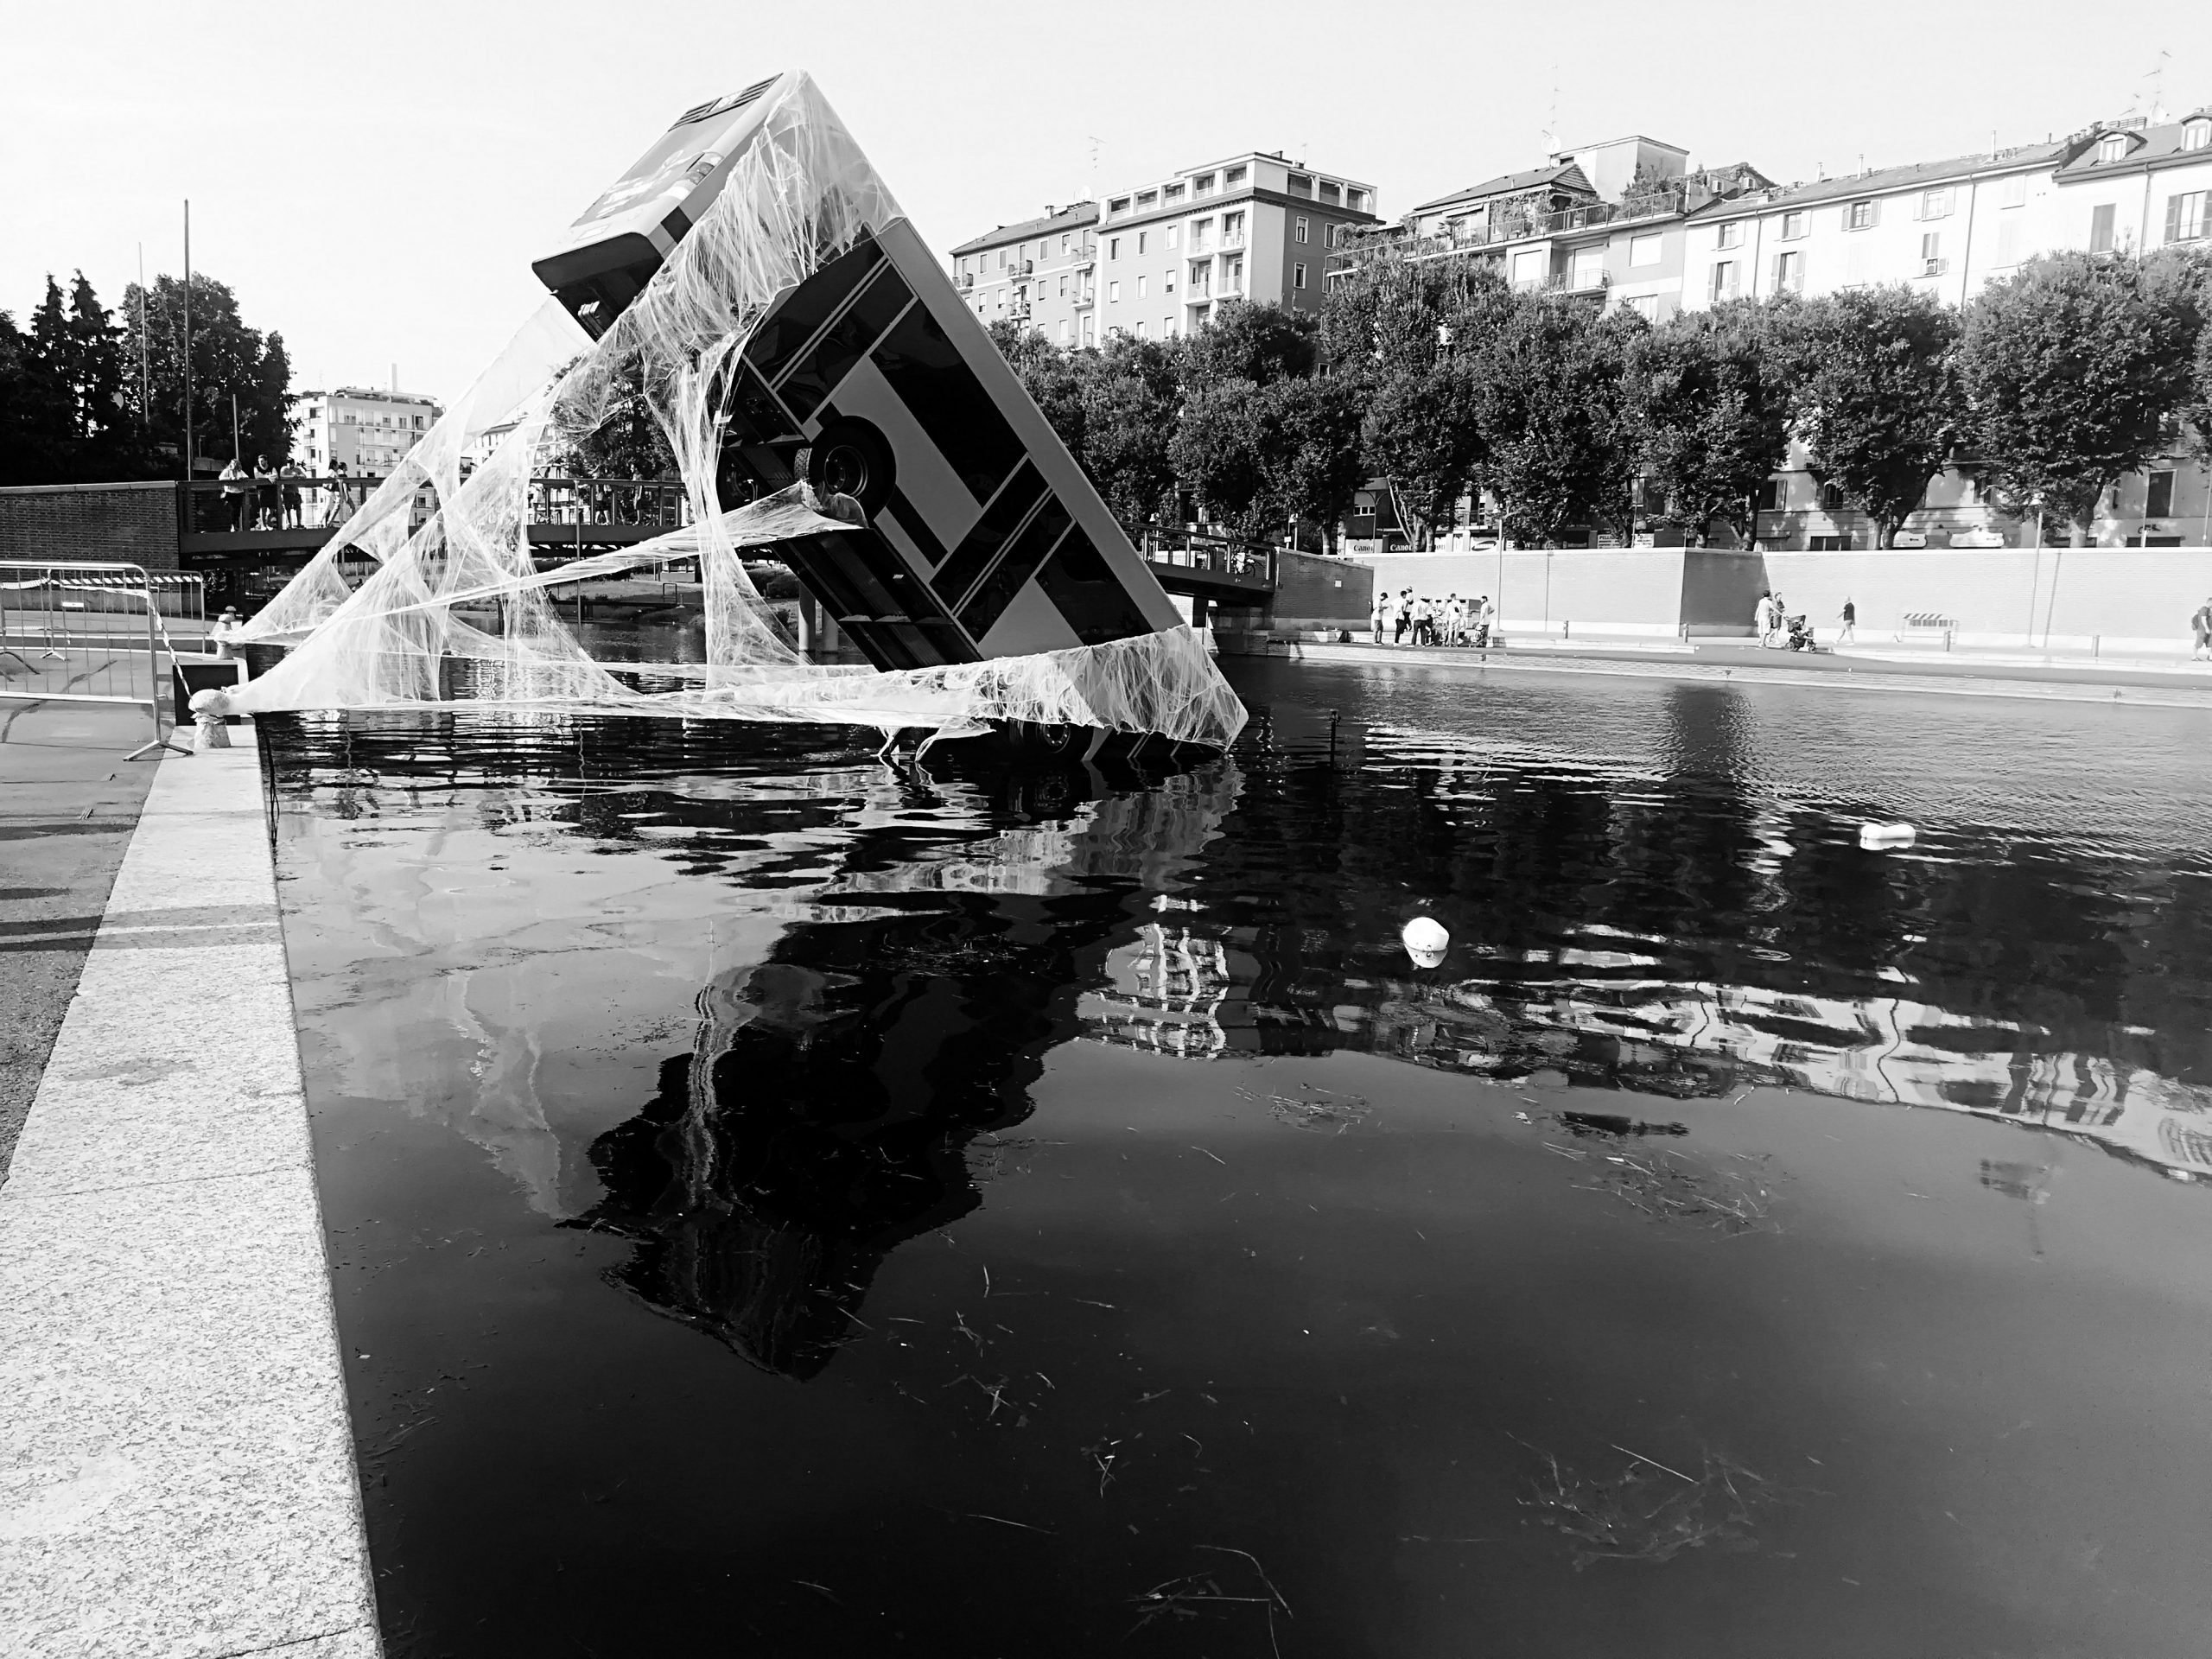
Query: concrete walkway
x=176 y=1467
x=67 y=802
x=1955 y=674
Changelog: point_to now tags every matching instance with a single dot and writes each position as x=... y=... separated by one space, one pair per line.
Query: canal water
x=781 y=1204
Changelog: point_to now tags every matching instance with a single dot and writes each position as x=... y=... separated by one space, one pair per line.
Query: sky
x=373 y=179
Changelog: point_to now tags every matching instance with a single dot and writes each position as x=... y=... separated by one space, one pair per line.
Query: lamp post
x=188 y=341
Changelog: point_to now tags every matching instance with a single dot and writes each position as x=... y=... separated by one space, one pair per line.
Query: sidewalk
x=1987 y=673
x=176 y=1462
x=68 y=800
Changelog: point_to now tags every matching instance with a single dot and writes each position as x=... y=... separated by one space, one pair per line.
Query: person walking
x=338 y=499
x=238 y=493
x=1381 y=615
x=1850 y=613
x=1401 y=617
x=2200 y=626
x=1479 y=620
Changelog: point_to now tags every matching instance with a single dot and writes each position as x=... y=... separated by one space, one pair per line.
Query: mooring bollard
x=208 y=707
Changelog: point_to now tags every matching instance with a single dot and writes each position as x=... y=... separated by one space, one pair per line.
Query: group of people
x=264 y=498
x=1447 y=621
x=1779 y=631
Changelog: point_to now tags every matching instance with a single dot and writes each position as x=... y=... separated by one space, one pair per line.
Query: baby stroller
x=1801 y=634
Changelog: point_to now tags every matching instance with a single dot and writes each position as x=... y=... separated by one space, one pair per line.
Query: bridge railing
x=302 y=501
x=1251 y=560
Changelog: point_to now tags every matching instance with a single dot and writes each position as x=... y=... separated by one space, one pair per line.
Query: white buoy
x=1876 y=836
x=1426 y=940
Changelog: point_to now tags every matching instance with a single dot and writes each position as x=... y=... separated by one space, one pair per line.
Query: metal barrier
x=75 y=631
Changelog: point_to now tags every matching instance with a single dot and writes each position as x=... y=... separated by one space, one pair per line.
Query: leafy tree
x=1709 y=395
x=2198 y=411
x=1261 y=343
x=1130 y=395
x=2074 y=369
x=33 y=412
x=1546 y=377
x=227 y=358
x=1872 y=373
x=1216 y=452
x=1308 y=433
x=1404 y=326
x=621 y=436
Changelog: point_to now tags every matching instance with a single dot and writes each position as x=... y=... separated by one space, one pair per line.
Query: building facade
x=365 y=430
x=1160 y=257
x=1040 y=274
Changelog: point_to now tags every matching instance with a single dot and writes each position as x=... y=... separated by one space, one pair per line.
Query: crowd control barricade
x=75 y=631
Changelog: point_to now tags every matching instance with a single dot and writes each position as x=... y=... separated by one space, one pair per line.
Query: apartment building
x=366 y=429
x=2135 y=185
x=1162 y=255
x=1250 y=226
x=1945 y=226
x=1040 y=274
x=1603 y=220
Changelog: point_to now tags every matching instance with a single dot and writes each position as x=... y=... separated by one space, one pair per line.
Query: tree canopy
x=229 y=358
x=2074 y=369
x=1708 y=394
x=1874 y=402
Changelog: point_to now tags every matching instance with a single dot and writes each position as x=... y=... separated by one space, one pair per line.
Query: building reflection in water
x=833 y=1101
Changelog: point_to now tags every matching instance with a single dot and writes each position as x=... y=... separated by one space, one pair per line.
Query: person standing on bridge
x=238 y=493
x=267 y=509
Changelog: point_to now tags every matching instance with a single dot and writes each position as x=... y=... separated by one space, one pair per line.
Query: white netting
x=453 y=611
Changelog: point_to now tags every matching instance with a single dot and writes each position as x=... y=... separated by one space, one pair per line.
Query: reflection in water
x=828 y=1107
x=746 y=1013
x=905 y=952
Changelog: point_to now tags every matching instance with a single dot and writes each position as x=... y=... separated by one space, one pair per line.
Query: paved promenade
x=68 y=800
x=176 y=1468
x=1929 y=673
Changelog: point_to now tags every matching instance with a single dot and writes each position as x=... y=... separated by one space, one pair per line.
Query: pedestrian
x=224 y=630
x=266 y=510
x=289 y=478
x=1481 y=620
x=1455 y=620
x=1763 y=618
x=238 y=493
x=1401 y=616
x=1850 y=633
x=2200 y=626
x=337 y=505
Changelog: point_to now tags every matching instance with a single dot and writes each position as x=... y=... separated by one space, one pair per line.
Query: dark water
x=778 y=1206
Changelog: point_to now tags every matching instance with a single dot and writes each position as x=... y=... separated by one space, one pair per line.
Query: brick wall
x=130 y=524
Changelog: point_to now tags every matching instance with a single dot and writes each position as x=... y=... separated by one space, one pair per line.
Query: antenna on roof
x=1551 y=129
x=2155 y=82
x=1095 y=142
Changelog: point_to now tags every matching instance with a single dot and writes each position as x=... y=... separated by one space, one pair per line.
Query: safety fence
x=86 y=632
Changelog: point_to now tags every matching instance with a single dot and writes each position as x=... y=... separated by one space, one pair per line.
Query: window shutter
x=2173 y=218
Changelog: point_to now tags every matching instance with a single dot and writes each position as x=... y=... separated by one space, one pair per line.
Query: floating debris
x=1314 y=1107
x=1609 y=1124
x=1426 y=940
x=1651 y=1512
x=1670 y=1186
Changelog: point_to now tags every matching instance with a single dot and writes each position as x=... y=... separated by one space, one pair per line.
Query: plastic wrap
x=452 y=610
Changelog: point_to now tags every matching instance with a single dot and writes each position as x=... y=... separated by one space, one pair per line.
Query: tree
x=1403 y=326
x=228 y=357
x=1215 y=453
x=1307 y=439
x=1129 y=394
x=2074 y=369
x=33 y=412
x=1709 y=397
x=619 y=435
x=1873 y=395
x=1546 y=373
x=1261 y=343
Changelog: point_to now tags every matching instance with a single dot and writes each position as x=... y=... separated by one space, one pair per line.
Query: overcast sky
x=374 y=179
